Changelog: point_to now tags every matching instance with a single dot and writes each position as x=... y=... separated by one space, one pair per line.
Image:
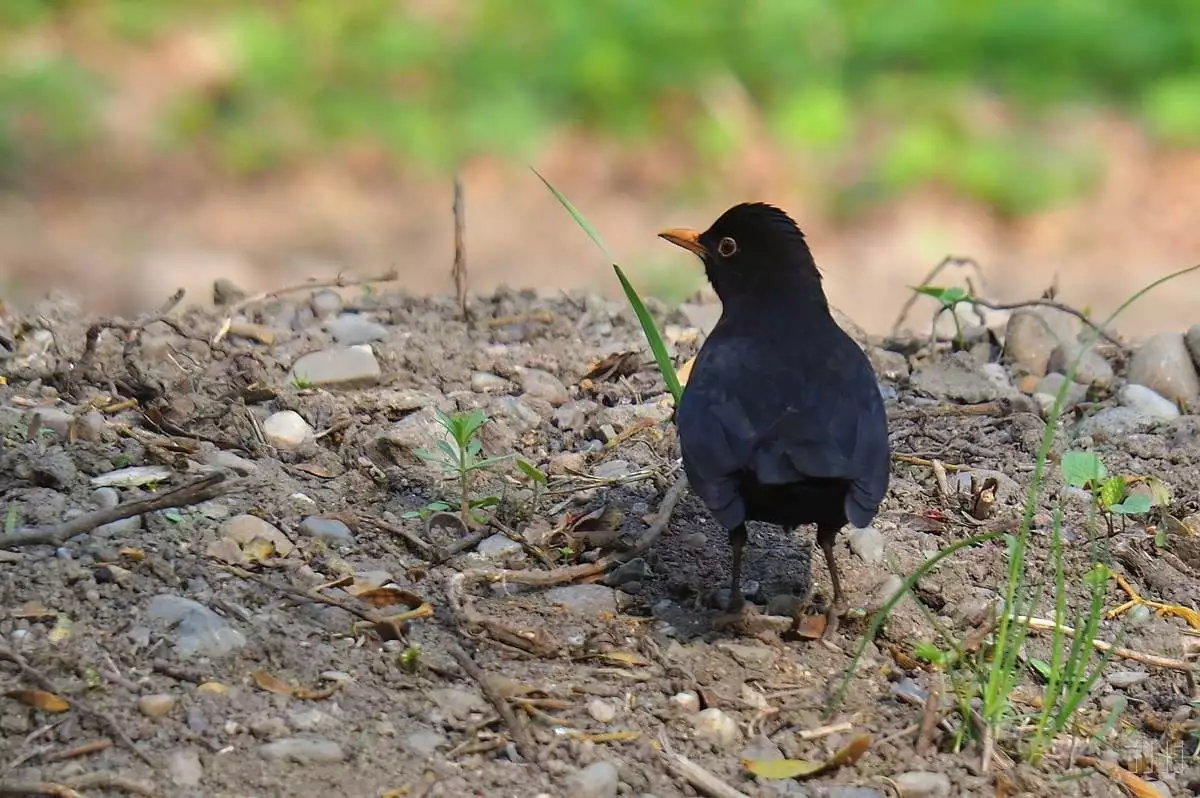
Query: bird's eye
x=727 y=247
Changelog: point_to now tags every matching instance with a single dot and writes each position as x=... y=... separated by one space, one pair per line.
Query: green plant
x=949 y=299
x=537 y=477
x=301 y=382
x=1111 y=493
x=461 y=457
x=649 y=329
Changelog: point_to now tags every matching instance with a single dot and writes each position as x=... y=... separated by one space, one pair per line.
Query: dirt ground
x=287 y=677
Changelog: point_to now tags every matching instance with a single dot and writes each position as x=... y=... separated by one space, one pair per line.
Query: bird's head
x=752 y=248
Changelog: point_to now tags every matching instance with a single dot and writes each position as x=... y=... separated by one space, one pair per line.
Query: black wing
x=823 y=417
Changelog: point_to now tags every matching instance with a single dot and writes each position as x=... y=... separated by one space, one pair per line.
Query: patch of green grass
x=461 y=457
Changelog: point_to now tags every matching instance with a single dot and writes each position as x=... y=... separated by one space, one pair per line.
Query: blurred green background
x=496 y=76
x=981 y=98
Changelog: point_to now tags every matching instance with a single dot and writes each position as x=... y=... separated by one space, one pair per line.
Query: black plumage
x=781 y=420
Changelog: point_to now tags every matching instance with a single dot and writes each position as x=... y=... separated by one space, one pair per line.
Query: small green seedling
x=461 y=458
x=301 y=382
x=949 y=298
x=1112 y=494
x=536 y=476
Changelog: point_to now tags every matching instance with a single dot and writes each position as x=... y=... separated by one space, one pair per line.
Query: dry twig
x=1046 y=625
x=459 y=272
x=520 y=735
x=201 y=490
x=693 y=774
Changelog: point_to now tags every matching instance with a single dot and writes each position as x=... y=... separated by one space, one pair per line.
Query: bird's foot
x=736 y=613
x=832 y=620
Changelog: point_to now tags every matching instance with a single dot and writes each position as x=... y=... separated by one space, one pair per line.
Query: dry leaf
x=34 y=611
x=1137 y=786
x=62 y=629
x=131 y=553
x=318 y=694
x=320 y=472
x=39 y=699
x=258 y=550
x=214 y=688
x=272 y=684
x=625 y=659
x=614 y=366
x=799 y=768
x=389 y=596
x=685 y=371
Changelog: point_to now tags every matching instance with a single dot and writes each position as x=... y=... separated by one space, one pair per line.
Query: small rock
x=717 y=726
x=424 y=743
x=245 y=528
x=761 y=749
x=889 y=365
x=232 y=462
x=326 y=302
x=329 y=529
x=867 y=543
x=884 y=592
x=686 y=702
x=1115 y=423
x=623 y=417
x=516 y=412
x=760 y=657
x=486 y=382
x=1148 y=402
x=543 y=385
x=306 y=719
x=566 y=463
x=1192 y=339
x=287 y=429
x=612 y=469
x=155 y=706
x=598 y=780
x=584 y=599
x=1164 y=364
x=635 y=570
x=1052 y=383
x=201 y=631
x=132 y=477
x=456 y=703
x=959 y=377
x=498 y=547
x=185 y=768
x=1125 y=679
x=1031 y=336
x=573 y=416
x=922 y=784
x=1093 y=369
x=601 y=711
x=349 y=367
x=227 y=292
x=303 y=750
x=350 y=329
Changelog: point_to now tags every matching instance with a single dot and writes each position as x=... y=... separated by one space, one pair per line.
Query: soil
x=376 y=708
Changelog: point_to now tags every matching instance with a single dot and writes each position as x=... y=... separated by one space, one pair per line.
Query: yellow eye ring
x=727 y=247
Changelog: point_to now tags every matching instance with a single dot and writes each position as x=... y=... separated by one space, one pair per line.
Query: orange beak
x=682 y=237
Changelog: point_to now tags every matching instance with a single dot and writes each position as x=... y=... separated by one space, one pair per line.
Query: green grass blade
x=649 y=329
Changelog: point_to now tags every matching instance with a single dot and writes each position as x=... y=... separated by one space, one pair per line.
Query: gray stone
x=232 y=462
x=1192 y=339
x=959 y=377
x=1052 y=383
x=867 y=543
x=329 y=529
x=543 y=385
x=1148 y=402
x=341 y=367
x=520 y=416
x=303 y=750
x=326 y=302
x=922 y=784
x=53 y=418
x=1164 y=365
x=498 y=547
x=612 y=469
x=424 y=743
x=622 y=417
x=200 y=630
x=287 y=429
x=185 y=768
x=486 y=382
x=1125 y=679
x=573 y=416
x=597 y=780
x=888 y=365
x=1032 y=334
x=584 y=599
x=717 y=726
x=456 y=703
x=349 y=329
x=761 y=749
x=1114 y=423
x=1093 y=369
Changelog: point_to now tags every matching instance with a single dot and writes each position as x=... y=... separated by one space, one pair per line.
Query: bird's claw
x=832 y=620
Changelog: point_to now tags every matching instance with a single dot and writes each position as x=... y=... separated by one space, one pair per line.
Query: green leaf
x=1042 y=667
x=929 y=652
x=491 y=461
x=425 y=454
x=531 y=471
x=577 y=216
x=948 y=297
x=486 y=501
x=1081 y=468
x=1112 y=491
x=1138 y=504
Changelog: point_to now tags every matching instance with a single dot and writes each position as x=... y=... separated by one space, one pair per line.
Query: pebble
x=573 y=416
x=53 y=418
x=132 y=477
x=612 y=469
x=622 y=417
x=341 y=367
x=1093 y=369
x=200 y=630
x=567 y=462
x=635 y=570
x=1114 y=423
x=329 y=529
x=717 y=726
x=456 y=703
x=350 y=329
x=306 y=719
x=598 y=780
x=889 y=365
x=498 y=547
x=424 y=743
x=303 y=750
x=761 y=749
x=601 y=711
x=326 y=302
x=185 y=768
x=959 y=377
x=1125 y=679
x=867 y=543
x=486 y=382
x=922 y=784
x=1164 y=364
x=1192 y=339
x=232 y=462
x=687 y=702
x=287 y=429
x=584 y=599
x=155 y=706
x=543 y=385
x=1052 y=383
x=1031 y=336
x=1147 y=402
x=244 y=528
x=519 y=415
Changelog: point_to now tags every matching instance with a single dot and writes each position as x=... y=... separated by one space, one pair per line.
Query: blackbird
x=782 y=420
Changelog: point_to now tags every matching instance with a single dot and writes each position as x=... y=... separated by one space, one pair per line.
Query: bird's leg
x=826 y=537
x=737 y=540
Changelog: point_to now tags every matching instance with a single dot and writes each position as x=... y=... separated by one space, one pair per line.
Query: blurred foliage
x=902 y=95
